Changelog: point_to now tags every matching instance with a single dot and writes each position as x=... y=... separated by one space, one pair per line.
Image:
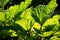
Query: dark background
x=34 y=3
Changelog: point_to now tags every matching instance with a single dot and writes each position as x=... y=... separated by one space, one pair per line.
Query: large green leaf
x=52 y=21
x=17 y=9
x=25 y=20
x=51 y=6
x=2 y=16
x=11 y=12
x=43 y=12
x=50 y=26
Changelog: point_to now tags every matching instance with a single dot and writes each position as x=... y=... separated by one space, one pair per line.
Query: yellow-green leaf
x=2 y=16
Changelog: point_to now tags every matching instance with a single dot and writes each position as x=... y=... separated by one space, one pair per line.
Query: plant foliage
x=28 y=23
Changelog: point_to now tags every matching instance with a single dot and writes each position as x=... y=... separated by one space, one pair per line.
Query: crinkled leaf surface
x=43 y=12
x=24 y=5
x=17 y=9
x=12 y=11
x=25 y=20
x=52 y=21
x=50 y=26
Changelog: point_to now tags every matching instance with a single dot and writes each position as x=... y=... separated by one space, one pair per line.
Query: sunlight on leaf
x=51 y=24
x=37 y=26
x=46 y=34
x=2 y=16
x=25 y=20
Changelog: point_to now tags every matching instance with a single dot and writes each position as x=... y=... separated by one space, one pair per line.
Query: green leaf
x=51 y=6
x=50 y=26
x=47 y=34
x=26 y=14
x=2 y=16
x=24 y=5
x=25 y=21
x=55 y=38
x=52 y=21
x=43 y=12
x=7 y=33
x=3 y=2
x=37 y=26
x=13 y=33
x=11 y=12
x=57 y=33
x=17 y=10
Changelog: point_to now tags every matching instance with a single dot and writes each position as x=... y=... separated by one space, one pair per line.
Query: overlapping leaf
x=25 y=20
x=24 y=5
x=14 y=10
x=43 y=12
x=50 y=26
x=57 y=33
